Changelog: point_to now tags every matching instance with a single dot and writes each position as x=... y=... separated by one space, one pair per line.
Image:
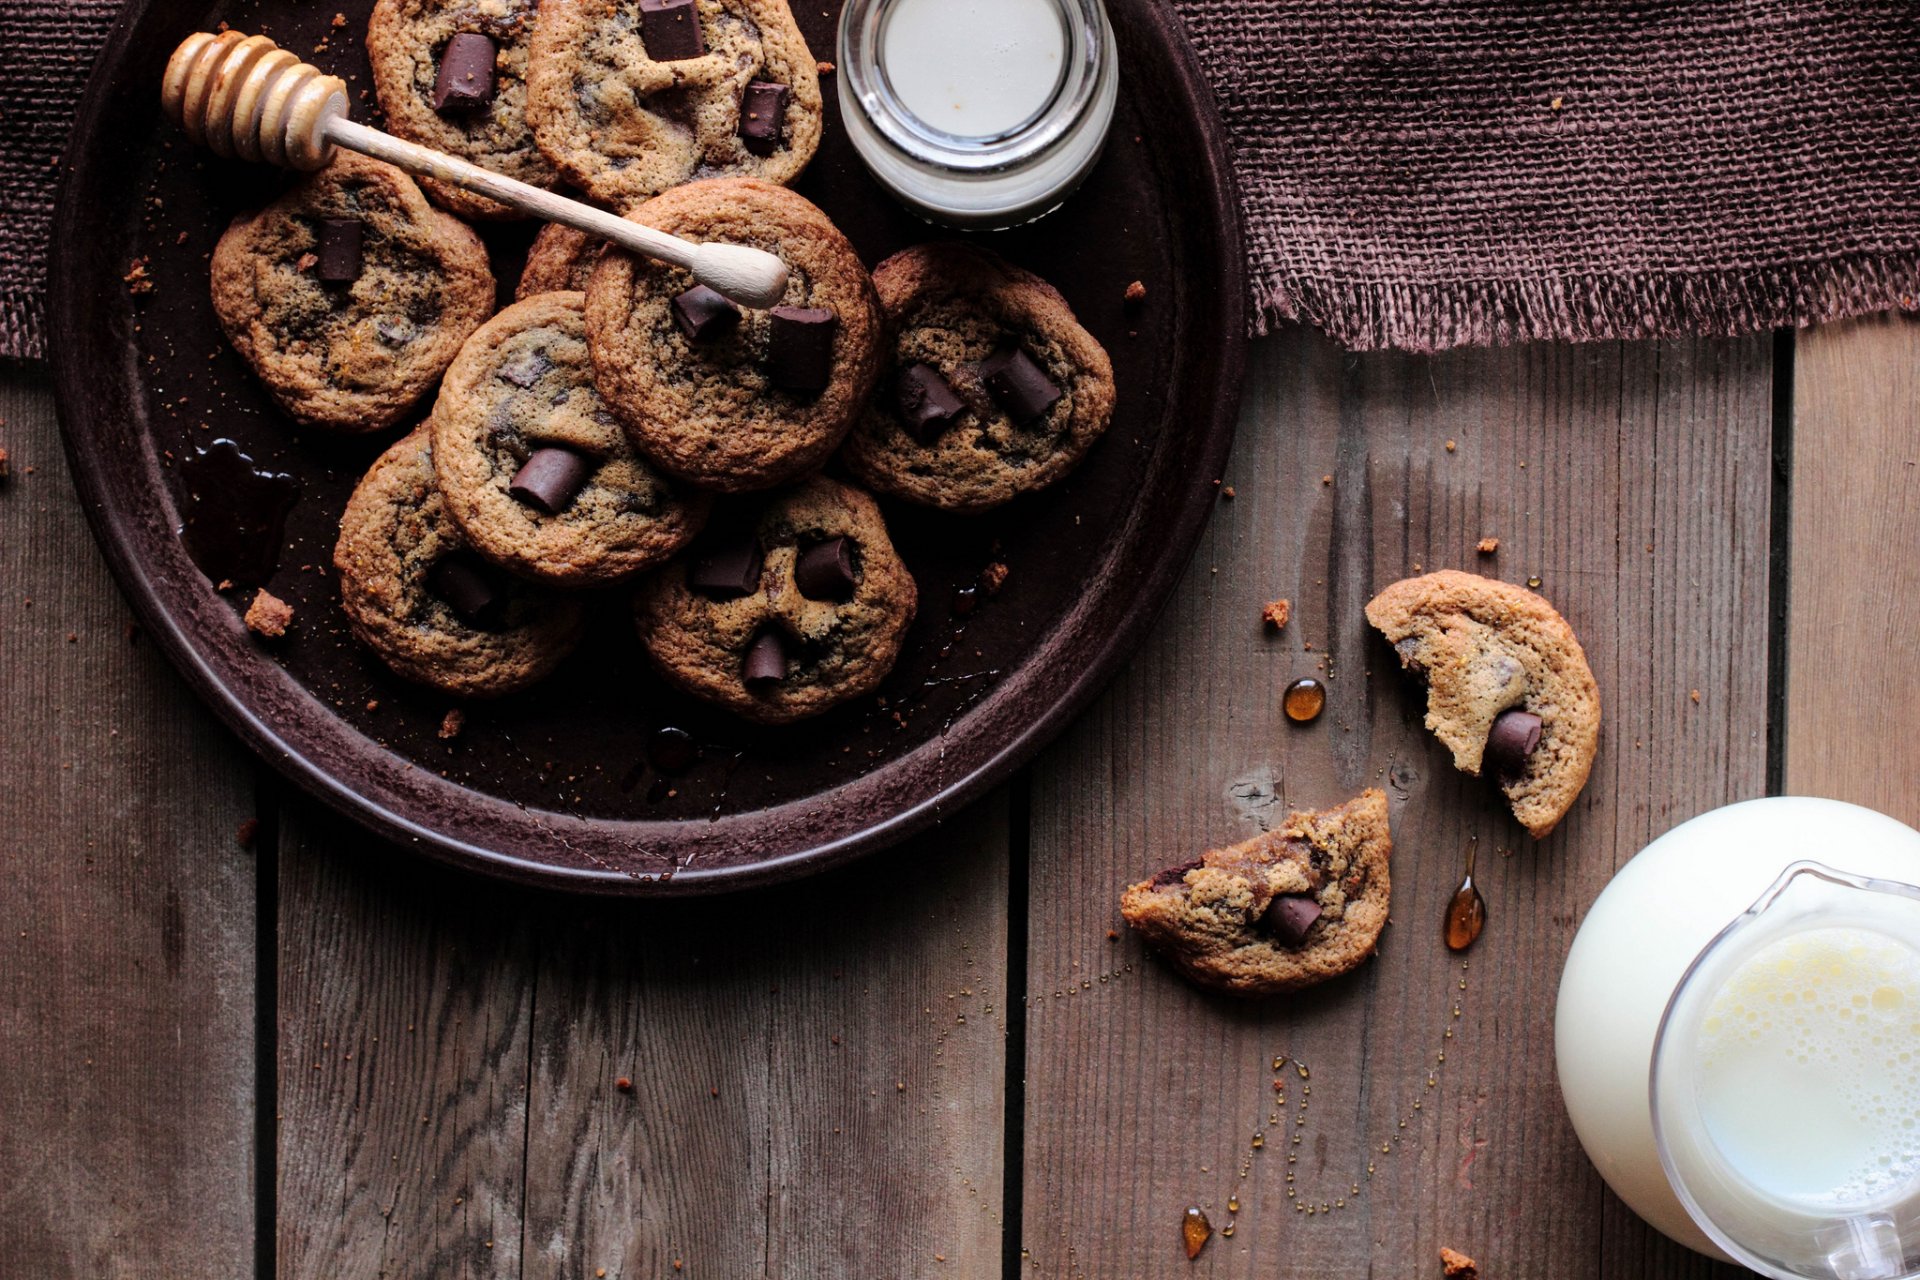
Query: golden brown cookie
x=726 y=398
x=994 y=389
x=350 y=294
x=560 y=261
x=1508 y=687
x=537 y=473
x=1281 y=911
x=419 y=597
x=784 y=610
x=626 y=116
x=452 y=75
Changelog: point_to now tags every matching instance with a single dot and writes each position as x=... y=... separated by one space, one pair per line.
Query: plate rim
x=68 y=308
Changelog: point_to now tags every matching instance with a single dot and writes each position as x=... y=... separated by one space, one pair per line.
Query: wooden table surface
x=320 y=1057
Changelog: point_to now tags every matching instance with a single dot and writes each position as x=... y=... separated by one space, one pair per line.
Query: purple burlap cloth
x=1425 y=175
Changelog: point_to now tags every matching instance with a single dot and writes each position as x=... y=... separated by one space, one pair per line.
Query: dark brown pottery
x=603 y=779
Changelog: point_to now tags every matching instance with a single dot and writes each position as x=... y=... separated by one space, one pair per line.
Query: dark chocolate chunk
x=470 y=589
x=670 y=29
x=1290 y=916
x=1515 y=736
x=825 y=572
x=800 y=350
x=550 y=479
x=704 y=315
x=926 y=402
x=337 y=251
x=465 y=82
x=526 y=368
x=766 y=662
x=725 y=569
x=1022 y=387
x=1175 y=875
x=763 y=112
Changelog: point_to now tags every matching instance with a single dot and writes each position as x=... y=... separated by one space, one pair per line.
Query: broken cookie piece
x=269 y=615
x=1509 y=691
x=1455 y=1265
x=1282 y=911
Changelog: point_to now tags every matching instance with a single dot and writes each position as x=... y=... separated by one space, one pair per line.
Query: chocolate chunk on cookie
x=560 y=261
x=1281 y=911
x=632 y=97
x=754 y=620
x=452 y=75
x=537 y=473
x=1508 y=687
x=349 y=339
x=418 y=596
x=997 y=389
x=757 y=403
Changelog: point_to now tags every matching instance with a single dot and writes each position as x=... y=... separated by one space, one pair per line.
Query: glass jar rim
x=1073 y=93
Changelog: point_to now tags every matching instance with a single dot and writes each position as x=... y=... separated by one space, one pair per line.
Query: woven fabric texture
x=1430 y=174
x=46 y=51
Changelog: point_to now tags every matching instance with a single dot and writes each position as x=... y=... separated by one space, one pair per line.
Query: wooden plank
x=405 y=1003
x=857 y=1124
x=1634 y=481
x=1854 y=594
x=126 y=915
x=816 y=1072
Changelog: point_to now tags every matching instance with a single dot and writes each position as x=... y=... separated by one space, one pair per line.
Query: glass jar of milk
x=978 y=113
x=1738 y=1037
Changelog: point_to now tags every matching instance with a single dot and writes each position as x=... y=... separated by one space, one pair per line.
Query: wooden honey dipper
x=245 y=97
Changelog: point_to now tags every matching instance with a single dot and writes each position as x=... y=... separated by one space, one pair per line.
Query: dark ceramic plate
x=559 y=785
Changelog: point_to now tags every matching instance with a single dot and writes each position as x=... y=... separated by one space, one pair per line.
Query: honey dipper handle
x=752 y=277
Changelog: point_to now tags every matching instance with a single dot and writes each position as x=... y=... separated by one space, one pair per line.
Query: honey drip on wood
x=1304 y=700
x=1195 y=1230
x=1467 y=911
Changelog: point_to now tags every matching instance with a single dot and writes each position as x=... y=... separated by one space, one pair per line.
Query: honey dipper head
x=245 y=97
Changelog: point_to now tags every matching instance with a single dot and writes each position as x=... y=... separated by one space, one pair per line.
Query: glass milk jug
x=1738 y=1038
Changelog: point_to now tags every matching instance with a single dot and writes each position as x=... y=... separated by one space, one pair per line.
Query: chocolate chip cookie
x=419 y=597
x=727 y=398
x=785 y=609
x=452 y=75
x=1508 y=687
x=535 y=471
x=561 y=260
x=994 y=389
x=631 y=97
x=350 y=295
x=1281 y=911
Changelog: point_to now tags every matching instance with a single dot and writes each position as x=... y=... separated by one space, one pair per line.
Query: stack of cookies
x=618 y=425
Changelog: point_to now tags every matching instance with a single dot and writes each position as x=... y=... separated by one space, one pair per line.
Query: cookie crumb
x=6 y=468
x=1457 y=1266
x=624 y=1085
x=994 y=577
x=225 y=584
x=268 y=615
x=1694 y=694
x=1136 y=293
x=247 y=833
x=137 y=278
x=824 y=68
x=1277 y=612
x=452 y=723
x=373 y=704
x=1326 y=480
x=1452 y=445
x=1487 y=546
x=339 y=21
x=1227 y=493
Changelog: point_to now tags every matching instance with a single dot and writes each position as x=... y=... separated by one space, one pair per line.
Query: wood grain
x=126 y=915
x=1854 y=602
x=816 y=1071
x=405 y=996
x=1634 y=481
